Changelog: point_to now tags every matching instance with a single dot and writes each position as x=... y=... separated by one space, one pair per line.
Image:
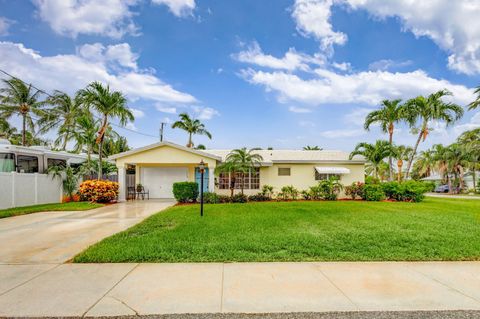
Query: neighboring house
x=23 y=178
x=467 y=178
x=158 y=166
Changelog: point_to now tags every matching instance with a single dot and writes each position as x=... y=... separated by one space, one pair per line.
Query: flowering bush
x=98 y=191
x=73 y=198
x=355 y=190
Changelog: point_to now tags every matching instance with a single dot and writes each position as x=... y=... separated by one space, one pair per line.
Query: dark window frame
x=31 y=157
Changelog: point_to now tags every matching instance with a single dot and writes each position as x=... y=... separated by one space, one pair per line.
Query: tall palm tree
x=312 y=148
x=241 y=161
x=109 y=104
x=442 y=164
x=422 y=110
x=401 y=153
x=456 y=161
x=475 y=103
x=63 y=115
x=390 y=113
x=85 y=135
x=18 y=98
x=425 y=163
x=373 y=153
x=192 y=127
x=471 y=141
x=6 y=130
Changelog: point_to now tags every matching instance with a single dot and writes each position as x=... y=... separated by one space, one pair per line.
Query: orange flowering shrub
x=98 y=191
x=68 y=199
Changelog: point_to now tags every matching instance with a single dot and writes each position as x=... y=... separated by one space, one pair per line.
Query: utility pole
x=161 y=131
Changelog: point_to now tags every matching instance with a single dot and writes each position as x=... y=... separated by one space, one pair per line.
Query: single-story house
x=467 y=179
x=158 y=166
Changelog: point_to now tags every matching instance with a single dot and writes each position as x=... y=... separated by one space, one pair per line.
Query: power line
x=99 y=118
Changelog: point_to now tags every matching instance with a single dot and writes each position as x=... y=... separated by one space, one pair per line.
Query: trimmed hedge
x=185 y=192
x=373 y=193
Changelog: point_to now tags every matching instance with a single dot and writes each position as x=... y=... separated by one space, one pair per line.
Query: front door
x=205 y=179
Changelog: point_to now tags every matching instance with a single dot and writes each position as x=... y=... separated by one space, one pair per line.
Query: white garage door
x=159 y=180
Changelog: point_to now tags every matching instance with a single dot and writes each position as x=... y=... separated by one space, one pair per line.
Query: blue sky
x=259 y=73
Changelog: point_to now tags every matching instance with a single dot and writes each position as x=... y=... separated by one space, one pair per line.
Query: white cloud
x=357 y=116
x=292 y=60
x=166 y=109
x=313 y=18
x=368 y=87
x=471 y=125
x=296 y=109
x=118 y=55
x=137 y=113
x=205 y=113
x=49 y=72
x=180 y=8
x=131 y=126
x=387 y=64
x=111 y=18
x=5 y=25
x=344 y=66
x=342 y=133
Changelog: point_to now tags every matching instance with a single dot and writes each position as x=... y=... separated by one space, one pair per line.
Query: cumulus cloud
x=111 y=18
x=205 y=113
x=119 y=55
x=291 y=61
x=388 y=64
x=470 y=125
x=296 y=109
x=71 y=72
x=367 y=87
x=5 y=25
x=452 y=25
x=137 y=113
x=313 y=19
x=180 y=8
x=166 y=109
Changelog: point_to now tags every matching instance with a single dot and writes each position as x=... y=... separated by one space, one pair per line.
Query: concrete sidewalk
x=130 y=289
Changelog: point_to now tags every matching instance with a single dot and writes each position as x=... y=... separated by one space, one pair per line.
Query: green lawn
x=436 y=229
x=47 y=207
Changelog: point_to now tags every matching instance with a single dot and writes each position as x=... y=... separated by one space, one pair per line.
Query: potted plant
x=139 y=188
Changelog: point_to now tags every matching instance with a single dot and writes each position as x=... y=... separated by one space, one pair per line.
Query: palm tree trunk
x=64 y=146
x=449 y=182
x=24 y=128
x=242 y=181
x=232 y=184
x=399 y=165
x=100 y=158
x=474 y=176
x=190 y=144
x=390 y=163
x=413 y=153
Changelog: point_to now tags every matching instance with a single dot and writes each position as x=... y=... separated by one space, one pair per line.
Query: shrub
x=373 y=192
x=185 y=192
x=429 y=186
x=288 y=192
x=355 y=190
x=210 y=198
x=73 y=198
x=267 y=190
x=239 y=198
x=222 y=199
x=408 y=191
x=306 y=194
x=371 y=180
x=260 y=197
x=315 y=192
x=98 y=191
x=330 y=188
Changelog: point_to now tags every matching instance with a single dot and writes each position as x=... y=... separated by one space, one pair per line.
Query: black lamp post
x=201 y=167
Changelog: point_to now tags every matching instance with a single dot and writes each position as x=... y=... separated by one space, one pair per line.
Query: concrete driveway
x=55 y=237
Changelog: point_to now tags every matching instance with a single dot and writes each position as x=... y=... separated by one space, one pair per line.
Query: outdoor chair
x=143 y=192
x=131 y=194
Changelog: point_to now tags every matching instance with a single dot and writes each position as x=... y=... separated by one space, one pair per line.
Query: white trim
x=332 y=170
x=159 y=144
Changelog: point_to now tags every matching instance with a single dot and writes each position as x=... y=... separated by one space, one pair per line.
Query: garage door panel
x=159 y=180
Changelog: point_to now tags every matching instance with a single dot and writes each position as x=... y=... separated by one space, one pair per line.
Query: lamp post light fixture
x=201 y=168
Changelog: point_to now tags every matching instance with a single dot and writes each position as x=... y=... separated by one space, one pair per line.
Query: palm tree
x=110 y=104
x=192 y=127
x=240 y=161
x=475 y=103
x=6 y=130
x=456 y=160
x=426 y=109
x=387 y=116
x=63 y=115
x=114 y=144
x=373 y=153
x=85 y=133
x=18 y=98
x=425 y=163
x=312 y=148
x=401 y=153
x=471 y=141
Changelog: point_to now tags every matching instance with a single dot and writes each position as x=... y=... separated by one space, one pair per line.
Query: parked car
x=443 y=189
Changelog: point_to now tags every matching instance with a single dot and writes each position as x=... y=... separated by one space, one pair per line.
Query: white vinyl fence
x=21 y=189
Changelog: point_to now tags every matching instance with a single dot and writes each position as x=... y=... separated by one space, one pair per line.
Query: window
x=251 y=180
x=284 y=171
x=56 y=162
x=321 y=177
x=7 y=162
x=27 y=164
